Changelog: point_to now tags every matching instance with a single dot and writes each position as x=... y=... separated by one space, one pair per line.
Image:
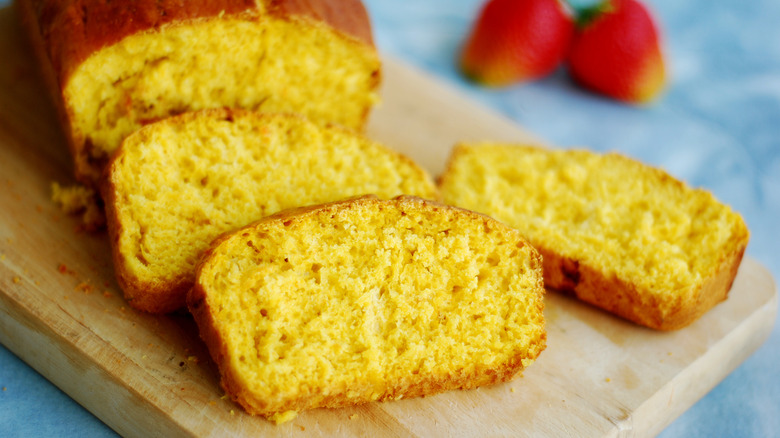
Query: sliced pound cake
x=618 y=234
x=364 y=300
x=174 y=185
x=114 y=66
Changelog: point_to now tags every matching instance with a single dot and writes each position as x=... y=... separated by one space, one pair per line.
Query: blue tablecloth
x=717 y=126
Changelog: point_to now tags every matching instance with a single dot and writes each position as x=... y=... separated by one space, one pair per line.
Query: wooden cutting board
x=62 y=312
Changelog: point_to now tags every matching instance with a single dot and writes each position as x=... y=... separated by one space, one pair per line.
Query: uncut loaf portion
x=113 y=66
x=616 y=233
x=364 y=300
x=175 y=185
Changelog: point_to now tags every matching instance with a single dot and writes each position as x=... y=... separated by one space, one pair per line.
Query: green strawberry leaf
x=585 y=14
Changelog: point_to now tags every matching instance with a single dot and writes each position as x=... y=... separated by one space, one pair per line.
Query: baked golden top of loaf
x=654 y=242
x=175 y=185
x=367 y=299
x=115 y=66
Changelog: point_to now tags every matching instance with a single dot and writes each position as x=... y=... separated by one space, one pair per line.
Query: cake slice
x=113 y=66
x=174 y=185
x=364 y=300
x=618 y=234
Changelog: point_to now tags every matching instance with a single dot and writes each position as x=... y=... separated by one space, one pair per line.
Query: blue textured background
x=717 y=126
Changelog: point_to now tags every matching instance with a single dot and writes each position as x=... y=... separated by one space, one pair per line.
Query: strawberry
x=517 y=40
x=616 y=52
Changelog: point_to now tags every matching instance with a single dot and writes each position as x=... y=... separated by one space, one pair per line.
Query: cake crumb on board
x=80 y=200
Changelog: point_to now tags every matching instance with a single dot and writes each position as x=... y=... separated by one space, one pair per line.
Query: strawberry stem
x=586 y=14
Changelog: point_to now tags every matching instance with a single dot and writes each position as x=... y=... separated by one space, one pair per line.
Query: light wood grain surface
x=151 y=376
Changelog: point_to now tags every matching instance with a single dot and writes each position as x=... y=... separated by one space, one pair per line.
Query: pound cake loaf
x=114 y=66
x=176 y=184
x=618 y=234
x=364 y=300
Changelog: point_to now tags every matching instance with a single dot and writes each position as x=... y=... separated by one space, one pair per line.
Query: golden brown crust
x=348 y=16
x=160 y=297
x=72 y=30
x=624 y=299
x=29 y=20
x=413 y=385
x=148 y=297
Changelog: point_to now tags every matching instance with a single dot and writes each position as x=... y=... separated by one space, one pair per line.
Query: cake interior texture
x=270 y=63
x=370 y=303
x=622 y=218
x=177 y=184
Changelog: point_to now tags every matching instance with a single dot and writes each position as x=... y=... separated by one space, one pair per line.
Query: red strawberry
x=616 y=52
x=517 y=40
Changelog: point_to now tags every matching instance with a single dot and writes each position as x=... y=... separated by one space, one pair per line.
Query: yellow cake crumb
x=84 y=287
x=72 y=199
x=283 y=417
x=79 y=200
